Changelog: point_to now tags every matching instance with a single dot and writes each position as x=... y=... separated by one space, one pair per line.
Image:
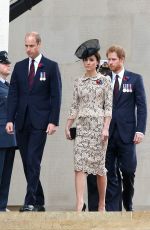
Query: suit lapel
x=26 y=71
x=114 y=98
x=120 y=92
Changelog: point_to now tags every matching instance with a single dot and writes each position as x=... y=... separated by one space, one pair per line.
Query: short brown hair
x=36 y=35
x=118 y=50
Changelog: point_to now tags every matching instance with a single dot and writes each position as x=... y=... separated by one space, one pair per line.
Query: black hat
x=4 y=57
x=88 y=48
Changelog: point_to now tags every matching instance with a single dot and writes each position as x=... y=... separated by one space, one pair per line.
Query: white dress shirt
x=36 y=62
x=120 y=77
x=2 y=80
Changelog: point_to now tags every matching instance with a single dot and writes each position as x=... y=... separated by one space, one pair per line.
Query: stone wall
x=4 y=19
x=63 y=25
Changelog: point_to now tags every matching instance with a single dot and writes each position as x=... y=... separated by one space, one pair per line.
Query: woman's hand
x=105 y=134
x=67 y=133
x=105 y=131
x=67 y=128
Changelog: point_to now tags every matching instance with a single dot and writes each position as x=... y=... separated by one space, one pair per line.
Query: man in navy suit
x=126 y=130
x=7 y=142
x=34 y=105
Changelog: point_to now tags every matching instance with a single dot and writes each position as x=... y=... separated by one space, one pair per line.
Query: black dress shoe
x=26 y=208
x=84 y=207
x=39 y=208
x=129 y=209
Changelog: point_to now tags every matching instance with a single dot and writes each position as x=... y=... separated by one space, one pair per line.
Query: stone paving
x=75 y=221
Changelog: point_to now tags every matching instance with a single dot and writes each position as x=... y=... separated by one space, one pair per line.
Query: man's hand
x=9 y=128
x=51 y=128
x=138 y=138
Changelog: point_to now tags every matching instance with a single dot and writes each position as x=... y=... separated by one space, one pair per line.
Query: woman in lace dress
x=92 y=109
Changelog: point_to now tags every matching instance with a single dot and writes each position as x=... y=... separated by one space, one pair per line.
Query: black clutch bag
x=73 y=132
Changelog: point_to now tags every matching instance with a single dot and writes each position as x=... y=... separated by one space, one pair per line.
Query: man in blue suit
x=126 y=130
x=34 y=105
x=7 y=142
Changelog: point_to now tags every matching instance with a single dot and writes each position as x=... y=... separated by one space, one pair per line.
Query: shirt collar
x=37 y=59
x=94 y=78
x=2 y=80
x=120 y=74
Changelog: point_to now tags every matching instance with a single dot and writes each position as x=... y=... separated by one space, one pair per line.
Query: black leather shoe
x=129 y=209
x=26 y=208
x=39 y=208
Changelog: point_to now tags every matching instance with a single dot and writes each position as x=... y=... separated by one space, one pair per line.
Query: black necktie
x=31 y=74
x=6 y=83
x=116 y=86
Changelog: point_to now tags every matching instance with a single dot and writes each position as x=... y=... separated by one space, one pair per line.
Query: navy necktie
x=116 y=86
x=6 y=83
x=31 y=74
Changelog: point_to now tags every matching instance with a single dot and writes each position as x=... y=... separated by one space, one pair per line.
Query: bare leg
x=101 y=184
x=80 y=187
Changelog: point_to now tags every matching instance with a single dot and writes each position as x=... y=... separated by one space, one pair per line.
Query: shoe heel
x=84 y=207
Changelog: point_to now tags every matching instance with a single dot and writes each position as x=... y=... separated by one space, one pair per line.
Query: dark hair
x=118 y=50
x=98 y=58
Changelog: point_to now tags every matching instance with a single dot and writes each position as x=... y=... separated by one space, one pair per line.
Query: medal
x=127 y=86
x=124 y=88
x=130 y=88
x=42 y=76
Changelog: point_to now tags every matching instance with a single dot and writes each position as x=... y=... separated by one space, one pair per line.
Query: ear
x=39 y=44
x=123 y=60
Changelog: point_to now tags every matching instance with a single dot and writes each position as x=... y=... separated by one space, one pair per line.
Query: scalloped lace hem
x=89 y=171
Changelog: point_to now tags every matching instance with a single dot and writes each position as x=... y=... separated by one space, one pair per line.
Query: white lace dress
x=92 y=101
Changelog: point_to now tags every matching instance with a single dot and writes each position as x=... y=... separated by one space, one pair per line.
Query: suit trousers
x=31 y=142
x=93 y=196
x=6 y=165
x=120 y=156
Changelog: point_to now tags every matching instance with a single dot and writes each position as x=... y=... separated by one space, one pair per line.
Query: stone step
x=75 y=221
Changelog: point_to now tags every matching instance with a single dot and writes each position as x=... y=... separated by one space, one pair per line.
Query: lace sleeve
x=108 y=98
x=73 y=112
